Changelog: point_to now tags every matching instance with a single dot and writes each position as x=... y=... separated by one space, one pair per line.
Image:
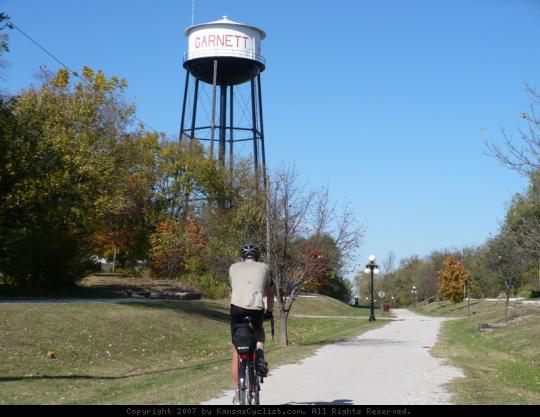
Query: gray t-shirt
x=248 y=281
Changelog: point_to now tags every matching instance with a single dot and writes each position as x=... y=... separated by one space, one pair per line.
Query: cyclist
x=250 y=281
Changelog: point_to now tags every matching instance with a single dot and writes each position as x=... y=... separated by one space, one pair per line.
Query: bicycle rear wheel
x=244 y=387
x=253 y=386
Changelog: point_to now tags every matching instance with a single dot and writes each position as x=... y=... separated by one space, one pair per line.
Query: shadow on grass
x=98 y=377
x=192 y=307
x=16 y=293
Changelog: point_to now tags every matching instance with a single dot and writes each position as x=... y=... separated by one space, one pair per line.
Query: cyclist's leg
x=234 y=368
x=260 y=336
x=234 y=355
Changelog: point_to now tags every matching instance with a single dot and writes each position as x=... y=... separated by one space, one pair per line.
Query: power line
x=11 y=25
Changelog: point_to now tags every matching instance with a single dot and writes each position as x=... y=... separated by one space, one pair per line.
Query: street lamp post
x=414 y=292
x=372 y=268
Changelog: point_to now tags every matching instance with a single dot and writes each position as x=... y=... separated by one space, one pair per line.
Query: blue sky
x=384 y=101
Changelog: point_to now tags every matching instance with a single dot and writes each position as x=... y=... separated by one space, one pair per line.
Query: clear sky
x=382 y=100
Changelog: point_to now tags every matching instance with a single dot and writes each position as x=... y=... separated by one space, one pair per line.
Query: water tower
x=224 y=55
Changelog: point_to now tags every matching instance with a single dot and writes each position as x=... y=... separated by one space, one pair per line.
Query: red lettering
x=223 y=40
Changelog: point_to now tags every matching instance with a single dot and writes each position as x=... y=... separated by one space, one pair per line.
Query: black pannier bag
x=244 y=339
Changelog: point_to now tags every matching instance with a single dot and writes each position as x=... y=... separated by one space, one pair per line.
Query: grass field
x=155 y=352
x=101 y=285
x=502 y=365
x=326 y=306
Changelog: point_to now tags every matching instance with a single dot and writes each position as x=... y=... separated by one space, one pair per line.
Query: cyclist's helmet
x=250 y=251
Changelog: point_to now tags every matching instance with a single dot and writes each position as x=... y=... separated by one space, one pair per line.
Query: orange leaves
x=314 y=263
x=195 y=233
x=110 y=240
x=177 y=248
x=452 y=279
x=166 y=227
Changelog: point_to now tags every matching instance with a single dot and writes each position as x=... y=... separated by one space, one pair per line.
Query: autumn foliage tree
x=315 y=262
x=177 y=247
x=297 y=216
x=59 y=166
x=453 y=277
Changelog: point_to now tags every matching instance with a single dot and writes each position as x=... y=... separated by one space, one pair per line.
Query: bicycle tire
x=245 y=396
x=254 y=388
x=242 y=383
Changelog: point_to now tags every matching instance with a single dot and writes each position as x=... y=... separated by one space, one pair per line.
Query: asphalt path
x=391 y=365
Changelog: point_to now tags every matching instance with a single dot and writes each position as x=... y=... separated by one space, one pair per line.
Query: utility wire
x=11 y=25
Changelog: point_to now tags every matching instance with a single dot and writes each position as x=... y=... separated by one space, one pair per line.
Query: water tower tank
x=235 y=46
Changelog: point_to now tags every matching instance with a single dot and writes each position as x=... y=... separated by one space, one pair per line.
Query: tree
x=188 y=179
x=505 y=259
x=59 y=174
x=523 y=156
x=296 y=215
x=337 y=287
x=483 y=281
x=452 y=279
x=4 y=39
x=125 y=227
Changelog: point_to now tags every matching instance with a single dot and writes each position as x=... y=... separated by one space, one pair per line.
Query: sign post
x=381 y=297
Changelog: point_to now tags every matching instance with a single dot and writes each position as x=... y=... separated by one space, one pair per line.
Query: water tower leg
x=254 y=130
x=231 y=134
x=181 y=135
x=263 y=151
x=213 y=125
x=222 y=122
x=194 y=113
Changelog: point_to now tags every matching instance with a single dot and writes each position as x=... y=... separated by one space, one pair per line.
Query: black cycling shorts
x=257 y=317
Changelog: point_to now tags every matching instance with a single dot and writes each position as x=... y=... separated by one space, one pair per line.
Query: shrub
x=44 y=257
x=209 y=284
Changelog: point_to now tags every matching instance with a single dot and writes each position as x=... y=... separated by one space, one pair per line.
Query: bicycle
x=249 y=379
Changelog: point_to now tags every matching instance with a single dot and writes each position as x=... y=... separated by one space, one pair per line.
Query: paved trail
x=389 y=365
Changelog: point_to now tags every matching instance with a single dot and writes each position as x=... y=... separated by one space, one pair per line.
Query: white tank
x=236 y=47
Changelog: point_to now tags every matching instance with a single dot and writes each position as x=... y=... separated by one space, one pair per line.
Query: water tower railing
x=220 y=53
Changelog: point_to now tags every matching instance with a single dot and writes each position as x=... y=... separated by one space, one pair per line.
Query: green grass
x=159 y=353
x=327 y=306
x=502 y=366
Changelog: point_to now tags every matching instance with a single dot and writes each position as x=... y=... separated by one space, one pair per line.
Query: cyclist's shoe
x=262 y=365
x=236 y=398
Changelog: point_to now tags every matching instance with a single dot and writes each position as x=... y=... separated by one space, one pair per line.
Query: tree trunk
x=283 y=328
x=506 y=304
x=114 y=260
